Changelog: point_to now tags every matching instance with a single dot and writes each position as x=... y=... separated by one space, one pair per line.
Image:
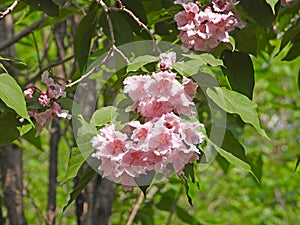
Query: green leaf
x=16 y=62
x=104 y=115
x=238 y=68
x=47 y=6
x=186 y=187
x=238 y=163
x=245 y=39
x=86 y=128
x=86 y=176
x=31 y=137
x=140 y=61
x=290 y=35
x=12 y=95
x=123 y=32
x=83 y=37
x=188 y=68
x=232 y=145
x=260 y=11
x=186 y=217
x=205 y=59
x=189 y=171
x=75 y=162
x=272 y=3
x=233 y=102
x=294 y=51
x=8 y=127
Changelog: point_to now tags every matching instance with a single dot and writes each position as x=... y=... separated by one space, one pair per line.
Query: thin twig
x=90 y=72
x=9 y=9
x=37 y=50
x=135 y=209
x=121 y=54
x=110 y=26
x=20 y=35
x=37 y=76
x=138 y=21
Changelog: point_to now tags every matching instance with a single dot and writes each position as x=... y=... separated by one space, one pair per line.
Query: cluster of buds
x=164 y=142
x=49 y=106
x=203 y=28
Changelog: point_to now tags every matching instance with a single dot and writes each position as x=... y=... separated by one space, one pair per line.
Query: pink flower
x=42 y=119
x=188 y=16
x=43 y=99
x=53 y=90
x=166 y=61
x=223 y=5
x=190 y=135
x=28 y=93
x=135 y=86
x=190 y=88
x=59 y=112
x=204 y=30
x=151 y=107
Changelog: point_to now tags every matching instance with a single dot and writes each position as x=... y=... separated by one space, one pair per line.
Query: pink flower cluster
x=50 y=107
x=164 y=140
x=203 y=29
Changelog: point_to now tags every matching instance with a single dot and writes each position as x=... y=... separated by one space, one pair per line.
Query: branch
x=9 y=9
x=110 y=26
x=20 y=35
x=95 y=68
x=37 y=76
x=135 y=209
x=137 y=20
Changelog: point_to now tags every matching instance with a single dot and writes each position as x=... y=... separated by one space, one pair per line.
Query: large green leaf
x=75 y=162
x=140 y=61
x=233 y=102
x=290 y=35
x=294 y=51
x=86 y=176
x=238 y=163
x=11 y=94
x=238 y=68
x=245 y=39
x=188 y=68
x=83 y=37
x=104 y=115
x=260 y=11
x=47 y=6
x=123 y=32
x=205 y=59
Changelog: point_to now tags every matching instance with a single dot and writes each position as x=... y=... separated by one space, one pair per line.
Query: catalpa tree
x=143 y=93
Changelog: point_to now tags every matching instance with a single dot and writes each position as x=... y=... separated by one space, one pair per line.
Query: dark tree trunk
x=53 y=155
x=12 y=178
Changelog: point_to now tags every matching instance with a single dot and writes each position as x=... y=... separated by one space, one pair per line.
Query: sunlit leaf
x=11 y=94
x=233 y=102
x=140 y=61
